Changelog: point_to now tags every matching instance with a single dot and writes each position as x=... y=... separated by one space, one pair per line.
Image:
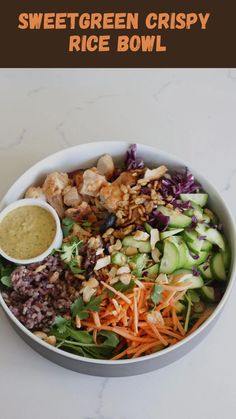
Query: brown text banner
x=92 y=33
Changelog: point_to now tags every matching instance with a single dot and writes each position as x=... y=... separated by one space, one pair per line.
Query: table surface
x=190 y=113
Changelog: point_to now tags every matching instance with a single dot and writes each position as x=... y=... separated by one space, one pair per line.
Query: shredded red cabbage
x=178 y=183
x=202 y=237
x=177 y=203
x=195 y=271
x=159 y=220
x=194 y=256
x=131 y=161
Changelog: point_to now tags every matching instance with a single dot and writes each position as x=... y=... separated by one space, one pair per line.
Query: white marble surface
x=190 y=113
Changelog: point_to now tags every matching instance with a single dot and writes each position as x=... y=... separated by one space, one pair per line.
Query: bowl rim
x=38 y=203
x=163 y=352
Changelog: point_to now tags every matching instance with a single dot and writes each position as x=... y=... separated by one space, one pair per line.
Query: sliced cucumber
x=206 y=218
x=189 y=212
x=119 y=259
x=187 y=276
x=226 y=257
x=140 y=261
x=201 y=229
x=211 y=215
x=143 y=246
x=195 y=246
x=190 y=261
x=205 y=270
x=218 y=267
x=182 y=249
x=208 y=294
x=197 y=198
x=129 y=241
x=215 y=237
x=180 y=307
x=177 y=219
x=148 y=228
x=198 y=212
x=206 y=246
x=170 y=233
x=190 y=235
x=170 y=258
x=160 y=246
x=153 y=271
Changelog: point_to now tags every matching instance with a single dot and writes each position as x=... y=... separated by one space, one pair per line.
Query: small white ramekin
x=57 y=241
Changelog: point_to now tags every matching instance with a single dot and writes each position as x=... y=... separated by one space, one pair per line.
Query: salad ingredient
x=27 y=232
x=105 y=166
x=53 y=187
x=35 y=192
x=131 y=161
x=142 y=265
x=92 y=182
x=72 y=197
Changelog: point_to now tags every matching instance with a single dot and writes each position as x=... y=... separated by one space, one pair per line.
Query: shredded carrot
x=157 y=333
x=144 y=348
x=118 y=293
x=177 y=323
x=135 y=306
x=202 y=319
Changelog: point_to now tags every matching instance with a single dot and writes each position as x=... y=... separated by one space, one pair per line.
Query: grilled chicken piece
x=126 y=178
x=82 y=212
x=53 y=187
x=35 y=192
x=78 y=179
x=92 y=182
x=111 y=195
x=105 y=166
x=72 y=197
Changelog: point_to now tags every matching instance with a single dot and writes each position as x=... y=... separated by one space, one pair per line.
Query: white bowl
x=86 y=155
x=57 y=241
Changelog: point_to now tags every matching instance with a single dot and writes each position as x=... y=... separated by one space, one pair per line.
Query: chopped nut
x=78 y=259
x=54 y=277
x=79 y=276
x=156 y=254
x=51 y=340
x=94 y=242
x=155 y=317
x=40 y=268
x=99 y=251
x=108 y=232
x=155 y=174
x=115 y=247
x=130 y=251
x=40 y=335
x=162 y=279
x=92 y=282
x=101 y=263
x=77 y=322
x=125 y=278
x=123 y=270
x=114 y=280
x=112 y=272
x=141 y=235
x=88 y=293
